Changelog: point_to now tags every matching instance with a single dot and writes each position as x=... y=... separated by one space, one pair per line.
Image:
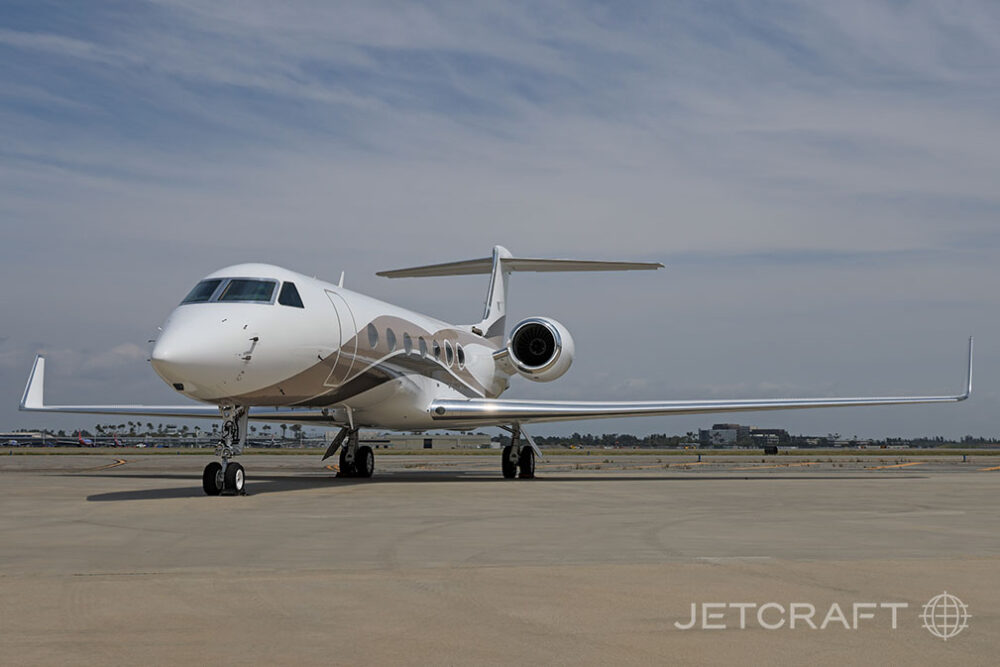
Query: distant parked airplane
x=256 y=341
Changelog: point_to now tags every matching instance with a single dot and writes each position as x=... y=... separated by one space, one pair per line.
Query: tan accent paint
x=372 y=367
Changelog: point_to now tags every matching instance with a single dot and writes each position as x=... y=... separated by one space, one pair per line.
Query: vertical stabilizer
x=494 y=321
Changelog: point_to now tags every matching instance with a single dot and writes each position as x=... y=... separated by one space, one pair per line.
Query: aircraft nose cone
x=178 y=362
x=167 y=358
x=197 y=355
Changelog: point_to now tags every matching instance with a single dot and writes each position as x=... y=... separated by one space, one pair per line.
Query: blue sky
x=820 y=179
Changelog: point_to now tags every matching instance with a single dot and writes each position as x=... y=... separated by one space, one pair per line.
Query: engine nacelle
x=540 y=349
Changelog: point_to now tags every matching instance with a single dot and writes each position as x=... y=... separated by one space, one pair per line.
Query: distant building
x=17 y=438
x=723 y=435
x=732 y=435
x=769 y=436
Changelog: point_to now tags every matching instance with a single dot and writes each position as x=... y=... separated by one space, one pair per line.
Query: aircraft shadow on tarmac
x=264 y=484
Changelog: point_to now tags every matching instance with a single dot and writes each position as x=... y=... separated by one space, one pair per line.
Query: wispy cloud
x=847 y=148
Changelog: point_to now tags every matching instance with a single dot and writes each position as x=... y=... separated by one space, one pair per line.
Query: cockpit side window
x=248 y=289
x=289 y=296
x=202 y=292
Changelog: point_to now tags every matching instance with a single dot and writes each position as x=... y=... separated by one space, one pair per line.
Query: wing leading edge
x=484 y=412
x=33 y=400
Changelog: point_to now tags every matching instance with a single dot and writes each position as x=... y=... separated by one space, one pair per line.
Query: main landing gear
x=517 y=457
x=228 y=477
x=356 y=460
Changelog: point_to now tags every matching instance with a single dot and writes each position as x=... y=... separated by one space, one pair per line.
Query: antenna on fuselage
x=340 y=283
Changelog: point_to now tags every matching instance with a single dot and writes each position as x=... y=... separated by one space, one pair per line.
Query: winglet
x=33 y=398
x=968 y=381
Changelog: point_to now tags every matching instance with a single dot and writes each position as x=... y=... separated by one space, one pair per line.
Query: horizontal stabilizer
x=485 y=265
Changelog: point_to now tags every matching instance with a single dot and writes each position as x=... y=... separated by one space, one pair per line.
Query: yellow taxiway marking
x=118 y=462
x=333 y=468
x=781 y=465
x=899 y=465
x=986 y=469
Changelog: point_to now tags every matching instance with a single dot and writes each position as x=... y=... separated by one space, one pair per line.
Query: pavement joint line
x=781 y=465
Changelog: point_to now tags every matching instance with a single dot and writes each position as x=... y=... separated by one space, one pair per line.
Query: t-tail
x=494 y=323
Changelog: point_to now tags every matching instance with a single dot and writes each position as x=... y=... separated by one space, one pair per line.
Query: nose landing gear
x=213 y=479
x=228 y=477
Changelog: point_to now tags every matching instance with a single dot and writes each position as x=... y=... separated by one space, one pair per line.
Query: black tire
x=346 y=469
x=526 y=463
x=211 y=479
x=509 y=467
x=364 y=462
x=236 y=478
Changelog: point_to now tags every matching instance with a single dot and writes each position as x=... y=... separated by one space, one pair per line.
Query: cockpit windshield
x=248 y=289
x=202 y=292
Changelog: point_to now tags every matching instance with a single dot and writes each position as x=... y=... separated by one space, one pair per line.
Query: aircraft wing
x=485 y=412
x=33 y=401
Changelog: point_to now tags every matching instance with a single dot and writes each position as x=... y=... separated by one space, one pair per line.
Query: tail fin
x=500 y=267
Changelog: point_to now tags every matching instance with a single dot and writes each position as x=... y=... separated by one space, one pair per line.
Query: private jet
x=259 y=342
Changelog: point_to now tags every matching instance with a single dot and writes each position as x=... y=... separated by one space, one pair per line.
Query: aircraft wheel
x=364 y=462
x=346 y=470
x=212 y=479
x=509 y=467
x=526 y=463
x=235 y=477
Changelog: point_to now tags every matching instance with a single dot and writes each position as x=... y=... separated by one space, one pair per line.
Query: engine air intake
x=533 y=344
x=540 y=349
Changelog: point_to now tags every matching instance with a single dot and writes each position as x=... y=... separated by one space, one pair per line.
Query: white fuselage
x=339 y=350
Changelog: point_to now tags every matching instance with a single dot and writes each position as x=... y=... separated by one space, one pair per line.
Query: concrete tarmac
x=115 y=559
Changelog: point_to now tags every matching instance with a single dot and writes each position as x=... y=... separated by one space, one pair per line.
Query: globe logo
x=945 y=616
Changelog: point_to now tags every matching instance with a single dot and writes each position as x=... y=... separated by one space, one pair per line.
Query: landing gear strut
x=517 y=457
x=228 y=477
x=356 y=460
